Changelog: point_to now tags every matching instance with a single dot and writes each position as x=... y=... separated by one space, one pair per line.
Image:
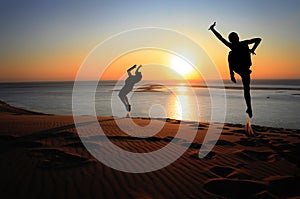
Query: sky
x=49 y=40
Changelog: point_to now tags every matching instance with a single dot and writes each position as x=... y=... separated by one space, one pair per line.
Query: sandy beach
x=42 y=156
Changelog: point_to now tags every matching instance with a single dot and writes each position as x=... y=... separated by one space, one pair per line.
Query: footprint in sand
x=27 y=144
x=250 y=142
x=222 y=171
x=54 y=159
x=12 y=142
x=284 y=186
x=231 y=188
x=250 y=155
x=6 y=138
x=230 y=172
x=221 y=143
x=292 y=154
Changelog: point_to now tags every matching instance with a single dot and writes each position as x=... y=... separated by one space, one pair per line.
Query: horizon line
x=107 y=80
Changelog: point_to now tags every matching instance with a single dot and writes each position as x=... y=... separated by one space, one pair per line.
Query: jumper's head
x=233 y=37
x=138 y=76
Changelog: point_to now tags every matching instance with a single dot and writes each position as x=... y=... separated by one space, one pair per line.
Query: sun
x=181 y=66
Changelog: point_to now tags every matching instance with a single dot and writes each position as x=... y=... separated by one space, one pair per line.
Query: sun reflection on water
x=182 y=105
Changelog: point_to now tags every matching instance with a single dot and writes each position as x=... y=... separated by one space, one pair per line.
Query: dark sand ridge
x=42 y=156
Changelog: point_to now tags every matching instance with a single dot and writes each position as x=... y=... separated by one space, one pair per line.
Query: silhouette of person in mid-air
x=129 y=83
x=239 y=60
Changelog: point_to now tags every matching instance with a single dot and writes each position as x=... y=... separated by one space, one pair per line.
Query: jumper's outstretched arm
x=219 y=36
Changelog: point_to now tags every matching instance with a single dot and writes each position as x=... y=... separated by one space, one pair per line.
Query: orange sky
x=63 y=65
x=157 y=65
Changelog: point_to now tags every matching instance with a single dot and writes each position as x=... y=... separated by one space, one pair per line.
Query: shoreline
x=5 y=107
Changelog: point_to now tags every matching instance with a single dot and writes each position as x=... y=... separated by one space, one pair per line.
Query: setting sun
x=181 y=66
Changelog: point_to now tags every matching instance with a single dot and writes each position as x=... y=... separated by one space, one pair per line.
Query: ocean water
x=276 y=103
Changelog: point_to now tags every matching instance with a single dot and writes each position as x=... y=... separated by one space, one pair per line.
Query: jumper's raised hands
x=132 y=67
x=212 y=26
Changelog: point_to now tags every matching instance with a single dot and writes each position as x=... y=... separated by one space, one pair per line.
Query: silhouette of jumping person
x=239 y=60
x=129 y=83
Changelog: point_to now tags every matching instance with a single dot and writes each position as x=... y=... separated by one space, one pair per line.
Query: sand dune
x=42 y=156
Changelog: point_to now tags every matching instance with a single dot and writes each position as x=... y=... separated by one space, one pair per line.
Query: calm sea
x=276 y=103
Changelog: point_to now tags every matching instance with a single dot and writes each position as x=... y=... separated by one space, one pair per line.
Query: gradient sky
x=48 y=40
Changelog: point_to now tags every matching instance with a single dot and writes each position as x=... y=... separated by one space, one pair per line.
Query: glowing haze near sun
x=181 y=66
